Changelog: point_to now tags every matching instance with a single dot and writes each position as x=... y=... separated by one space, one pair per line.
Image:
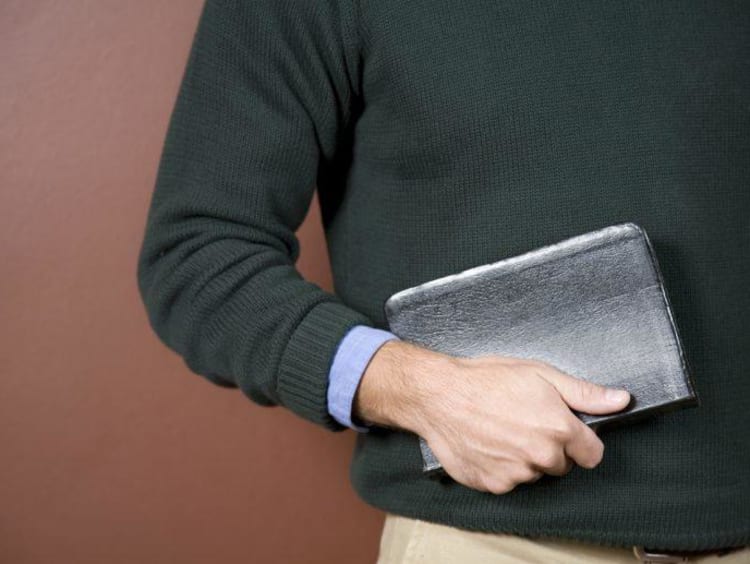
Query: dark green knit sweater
x=443 y=135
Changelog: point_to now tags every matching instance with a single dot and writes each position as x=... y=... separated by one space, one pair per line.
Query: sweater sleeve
x=264 y=96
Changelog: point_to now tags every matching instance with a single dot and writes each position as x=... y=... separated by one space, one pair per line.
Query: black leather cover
x=594 y=306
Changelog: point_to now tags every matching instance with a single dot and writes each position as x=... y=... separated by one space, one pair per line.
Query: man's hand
x=493 y=421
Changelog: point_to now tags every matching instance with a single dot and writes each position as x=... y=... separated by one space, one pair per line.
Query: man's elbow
x=148 y=269
x=159 y=304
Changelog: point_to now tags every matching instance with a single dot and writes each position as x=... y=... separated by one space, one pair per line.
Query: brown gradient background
x=112 y=450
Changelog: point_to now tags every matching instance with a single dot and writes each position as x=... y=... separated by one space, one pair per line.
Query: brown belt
x=655 y=555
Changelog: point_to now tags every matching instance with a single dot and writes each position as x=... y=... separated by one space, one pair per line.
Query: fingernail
x=614 y=395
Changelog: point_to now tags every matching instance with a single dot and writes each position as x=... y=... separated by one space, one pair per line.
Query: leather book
x=594 y=306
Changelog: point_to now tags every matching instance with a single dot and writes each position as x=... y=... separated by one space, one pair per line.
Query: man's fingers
x=584 y=446
x=552 y=461
x=582 y=395
x=563 y=469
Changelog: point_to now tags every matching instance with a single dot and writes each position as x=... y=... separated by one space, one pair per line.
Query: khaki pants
x=405 y=541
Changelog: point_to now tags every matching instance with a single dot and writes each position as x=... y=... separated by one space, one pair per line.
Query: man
x=444 y=135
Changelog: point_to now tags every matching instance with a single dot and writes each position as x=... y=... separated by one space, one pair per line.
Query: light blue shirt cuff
x=352 y=357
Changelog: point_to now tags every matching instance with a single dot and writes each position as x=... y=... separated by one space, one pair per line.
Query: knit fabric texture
x=443 y=135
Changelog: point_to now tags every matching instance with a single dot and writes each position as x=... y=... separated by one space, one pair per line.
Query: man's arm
x=352 y=358
x=258 y=118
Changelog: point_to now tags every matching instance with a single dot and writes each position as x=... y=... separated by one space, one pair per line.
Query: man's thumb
x=585 y=396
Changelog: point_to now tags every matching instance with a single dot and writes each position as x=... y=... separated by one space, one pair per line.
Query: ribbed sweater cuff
x=305 y=365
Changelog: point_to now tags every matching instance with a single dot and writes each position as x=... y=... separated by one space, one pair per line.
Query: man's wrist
x=397 y=385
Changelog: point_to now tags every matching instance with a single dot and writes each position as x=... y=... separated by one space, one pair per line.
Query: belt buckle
x=645 y=556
